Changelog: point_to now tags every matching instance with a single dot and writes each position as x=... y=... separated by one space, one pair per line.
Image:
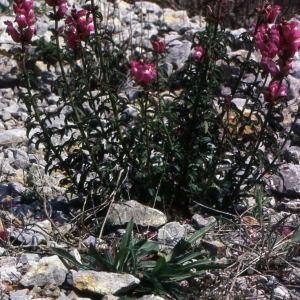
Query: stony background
x=31 y=223
x=238 y=9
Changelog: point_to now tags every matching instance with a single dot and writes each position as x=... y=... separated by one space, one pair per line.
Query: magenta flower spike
x=78 y=28
x=25 y=18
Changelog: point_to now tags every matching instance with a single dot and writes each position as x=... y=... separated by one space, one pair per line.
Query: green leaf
x=198 y=234
x=178 y=249
x=103 y=263
x=160 y=264
x=121 y=259
x=127 y=236
x=65 y=255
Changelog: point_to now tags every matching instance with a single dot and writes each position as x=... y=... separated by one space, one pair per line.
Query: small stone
x=49 y=270
x=171 y=233
x=201 y=222
x=215 y=247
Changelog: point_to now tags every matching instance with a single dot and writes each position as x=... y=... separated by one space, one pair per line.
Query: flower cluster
x=279 y=40
x=25 y=19
x=62 y=8
x=142 y=72
x=78 y=28
x=270 y=13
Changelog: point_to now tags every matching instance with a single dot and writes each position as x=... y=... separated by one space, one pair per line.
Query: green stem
x=106 y=80
x=281 y=148
x=74 y=109
x=147 y=137
x=42 y=123
x=195 y=117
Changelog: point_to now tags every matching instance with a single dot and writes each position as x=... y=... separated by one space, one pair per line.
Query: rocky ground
x=33 y=220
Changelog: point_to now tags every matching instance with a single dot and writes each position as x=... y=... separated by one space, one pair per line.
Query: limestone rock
x=13 y=137
x=292 y=206
x=201 y=222
x=171 y=233
x=290 y=187
x=142 y=215
x=49 y=270
x=101 y=283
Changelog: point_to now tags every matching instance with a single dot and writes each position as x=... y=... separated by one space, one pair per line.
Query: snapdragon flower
x=142 y=72
x=276 y=89
x=199 y=51
x=62 y=8
x=272 y=13
x=78 y=28
x=25 y=18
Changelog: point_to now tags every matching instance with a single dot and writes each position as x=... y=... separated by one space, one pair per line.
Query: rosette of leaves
x=158 y=275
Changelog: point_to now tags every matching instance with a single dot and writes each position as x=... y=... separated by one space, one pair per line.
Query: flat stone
x=20 y=295
x=142 y=215
x=215 y=247
x=201 y=222
x=101 y=283
x=29 y=257
x=292 y=206
x=13 y=137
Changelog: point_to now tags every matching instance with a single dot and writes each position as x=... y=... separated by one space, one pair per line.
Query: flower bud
x=158 y=45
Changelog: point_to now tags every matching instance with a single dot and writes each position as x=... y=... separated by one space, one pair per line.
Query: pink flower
x=158 y=45
x=283 y=230
x=62 y=9
x=25 y=18
x=28 y=34
x=267 y=41
x=275 y=91
x=282 y=40
x=270 y=67
x=289 y=37
x=199 y=51
x=271 y=14
x=78 y=28
x=285 y=66
x=15 y=35
x=72 y=37
x=142 y=72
